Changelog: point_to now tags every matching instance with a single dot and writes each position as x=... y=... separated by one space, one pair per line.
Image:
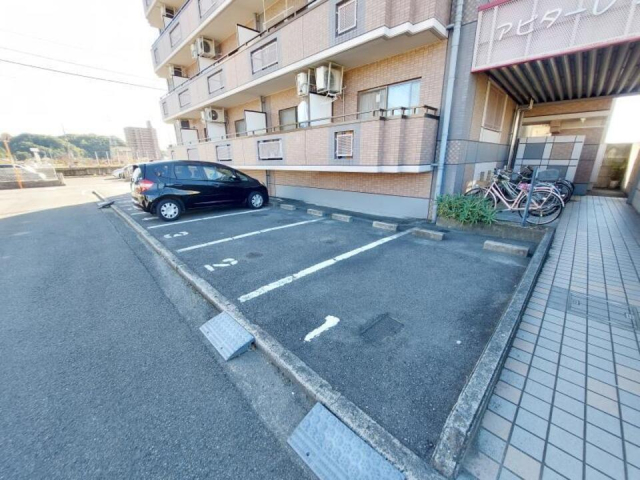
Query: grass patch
x=466 y=210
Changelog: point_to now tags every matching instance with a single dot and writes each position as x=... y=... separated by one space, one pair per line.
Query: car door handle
x=176 y=185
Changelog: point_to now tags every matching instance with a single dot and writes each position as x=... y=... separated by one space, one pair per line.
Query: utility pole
x=5 y=139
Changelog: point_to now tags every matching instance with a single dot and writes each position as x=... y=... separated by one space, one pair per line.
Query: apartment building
x=143 y=142
x=331 y=102
x=535 y=85
x=345 y=103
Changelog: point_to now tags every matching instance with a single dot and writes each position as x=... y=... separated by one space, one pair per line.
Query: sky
x=110 y=36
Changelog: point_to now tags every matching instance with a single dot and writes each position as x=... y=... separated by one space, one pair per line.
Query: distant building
x=143 y=142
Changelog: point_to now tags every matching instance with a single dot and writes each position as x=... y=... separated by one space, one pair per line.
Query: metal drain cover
x=333 y=452
x=595 y=308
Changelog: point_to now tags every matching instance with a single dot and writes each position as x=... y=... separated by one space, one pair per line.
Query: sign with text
x=517 y=31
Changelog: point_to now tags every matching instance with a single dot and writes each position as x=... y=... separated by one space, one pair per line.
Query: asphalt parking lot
x=393 y=321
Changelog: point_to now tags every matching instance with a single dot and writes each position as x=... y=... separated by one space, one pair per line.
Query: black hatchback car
x=168 y=189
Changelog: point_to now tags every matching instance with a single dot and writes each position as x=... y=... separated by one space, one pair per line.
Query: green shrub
x=466 y=210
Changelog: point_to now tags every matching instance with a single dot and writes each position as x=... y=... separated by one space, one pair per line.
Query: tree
x=93 y=144
x=48 y=145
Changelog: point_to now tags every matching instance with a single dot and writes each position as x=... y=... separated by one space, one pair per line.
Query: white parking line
x=245 y=235
x=171 y=224
x=138 y=213
x=329 y=322
x=319 y=266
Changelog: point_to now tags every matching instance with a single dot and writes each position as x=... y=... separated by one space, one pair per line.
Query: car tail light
x=144 y=185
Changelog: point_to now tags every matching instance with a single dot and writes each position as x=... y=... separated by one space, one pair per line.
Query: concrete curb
x=467 y=413
x=314 y=385
x=506 y=248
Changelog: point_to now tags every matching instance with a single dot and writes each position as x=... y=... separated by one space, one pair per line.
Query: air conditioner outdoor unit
x=329 y=79
x=175 y=71
x=302 y=84
x=167 y=12
x=204 y=47
x=213 y=115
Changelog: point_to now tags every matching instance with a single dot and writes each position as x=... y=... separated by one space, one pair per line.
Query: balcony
x=153 y=11
x=570 y=51
x=306 y=39
x=214 y=19
x=399 y=141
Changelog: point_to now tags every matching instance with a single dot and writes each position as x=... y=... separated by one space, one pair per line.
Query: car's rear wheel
x=255 y=200
x=169 y=210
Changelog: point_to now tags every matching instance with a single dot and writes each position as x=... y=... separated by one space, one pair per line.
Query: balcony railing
x=295 y=46
x=187 y=20
x=402 y=139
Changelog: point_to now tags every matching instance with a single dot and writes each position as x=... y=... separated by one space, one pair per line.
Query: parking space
x=394 y=322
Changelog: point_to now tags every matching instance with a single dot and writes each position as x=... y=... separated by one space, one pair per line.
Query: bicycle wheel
x=566 y=189
x=545 y=208
x=483 y=193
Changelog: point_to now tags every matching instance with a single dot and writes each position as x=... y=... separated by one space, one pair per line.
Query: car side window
x=188 y=172
x=219 y=174
x=162 y=171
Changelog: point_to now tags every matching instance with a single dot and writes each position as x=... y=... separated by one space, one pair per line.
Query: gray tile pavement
x=567 y=404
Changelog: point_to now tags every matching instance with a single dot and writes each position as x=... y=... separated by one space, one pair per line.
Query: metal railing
x=425 y=111
x=240 y=48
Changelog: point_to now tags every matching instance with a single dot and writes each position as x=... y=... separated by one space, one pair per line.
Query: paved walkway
x=568 y=400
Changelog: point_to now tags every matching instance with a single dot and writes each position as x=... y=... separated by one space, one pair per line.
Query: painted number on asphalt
x=227 y=262
x=176 y=235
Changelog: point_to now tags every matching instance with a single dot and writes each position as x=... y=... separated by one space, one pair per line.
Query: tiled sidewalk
x=568 y=400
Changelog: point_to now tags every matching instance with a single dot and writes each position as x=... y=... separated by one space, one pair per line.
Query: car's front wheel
x=255 y=200
x=169 y=210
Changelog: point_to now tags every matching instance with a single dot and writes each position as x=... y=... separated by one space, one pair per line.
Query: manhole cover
x=380 y=328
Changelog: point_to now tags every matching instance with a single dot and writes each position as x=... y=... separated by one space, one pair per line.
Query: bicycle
x=546 y=203
x=564 y=186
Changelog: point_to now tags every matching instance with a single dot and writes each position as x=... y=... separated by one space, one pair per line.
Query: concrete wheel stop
x=227 y=336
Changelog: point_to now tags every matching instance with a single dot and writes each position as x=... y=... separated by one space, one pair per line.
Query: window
x=185 y=124
x=215 y=81
x=223 y=153
x=175 y=35
x=344 y=144
x=371 y=100
x=241 y=127
x=188 y=172
x=264 y=57
x=288 y=118
x=184 y=98
x=219 y=174
x=270 y=149
x=392 y=98
x=405 y=95
x=165 y=109
x=162 y=171
x=346 y=16
x=494 y=109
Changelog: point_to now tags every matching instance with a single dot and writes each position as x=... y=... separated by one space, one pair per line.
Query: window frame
x=219 y=72
x=272 y=140
x=385 y=89
x=240 y=133
x=343 y=133
x=180 y=94
x=165 y=108
x=218 y=158
x=287 y=127
x=173 y=42
x=339 y=7
x=261 y=49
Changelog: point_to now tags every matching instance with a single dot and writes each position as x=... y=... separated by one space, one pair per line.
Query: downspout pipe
x=448 y=100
